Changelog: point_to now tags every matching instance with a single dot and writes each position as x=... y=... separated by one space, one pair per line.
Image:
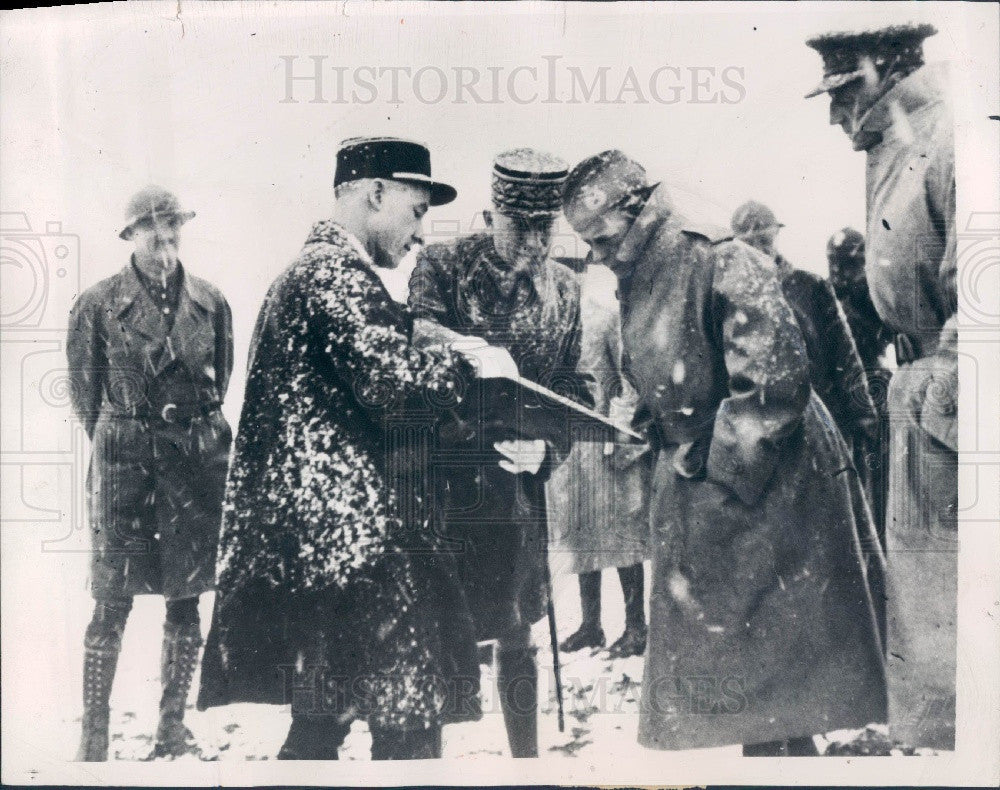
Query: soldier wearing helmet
x=150 y=354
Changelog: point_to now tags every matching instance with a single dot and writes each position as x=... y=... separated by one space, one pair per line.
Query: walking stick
x=553 y=639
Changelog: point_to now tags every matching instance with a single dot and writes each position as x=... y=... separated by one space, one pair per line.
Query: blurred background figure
x=836 y=372
x=845 y=255
x=598 y=498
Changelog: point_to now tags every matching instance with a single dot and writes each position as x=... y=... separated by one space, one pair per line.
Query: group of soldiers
x=373 y=536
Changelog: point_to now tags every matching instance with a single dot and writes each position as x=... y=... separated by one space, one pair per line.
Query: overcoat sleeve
x=223 y=347
x=369 y=349
x=935 y=399
x=767 y=373
x=940 y=189
x=85 y=354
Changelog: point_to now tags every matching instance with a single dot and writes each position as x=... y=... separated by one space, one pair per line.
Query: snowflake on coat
x=308 y=503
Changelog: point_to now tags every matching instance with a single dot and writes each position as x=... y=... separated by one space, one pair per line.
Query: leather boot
x=178 y=661
x=100 y=659
x=517 y=684
x=314 y=738
x=633 y=641
x=590 y=633
x=406 y=744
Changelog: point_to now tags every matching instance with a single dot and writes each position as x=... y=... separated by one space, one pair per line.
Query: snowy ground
x=600 y=699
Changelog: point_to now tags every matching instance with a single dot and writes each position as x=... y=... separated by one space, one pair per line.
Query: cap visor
x=834 y=81
x=442 y=193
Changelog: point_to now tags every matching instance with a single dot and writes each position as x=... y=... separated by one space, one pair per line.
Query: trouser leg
x=517 y=684
x=590 y=633
x=178 y=661
x=102 y=644
x=632 y=580
x=314 y=738
x=633 y=641
x=406 y=744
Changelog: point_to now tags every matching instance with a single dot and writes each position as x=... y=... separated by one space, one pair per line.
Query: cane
x=553 y=639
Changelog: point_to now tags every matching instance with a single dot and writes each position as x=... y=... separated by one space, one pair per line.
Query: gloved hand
x=521 y=455
x=489 y=361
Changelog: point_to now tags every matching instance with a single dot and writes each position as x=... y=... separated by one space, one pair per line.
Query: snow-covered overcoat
x=761 y=620
x=332 y=593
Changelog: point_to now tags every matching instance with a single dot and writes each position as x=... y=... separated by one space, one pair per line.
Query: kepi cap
x=393 y=159
x=528 y=183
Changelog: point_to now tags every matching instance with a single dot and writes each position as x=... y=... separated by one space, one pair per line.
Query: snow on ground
x=601 y=695
x=601 y=698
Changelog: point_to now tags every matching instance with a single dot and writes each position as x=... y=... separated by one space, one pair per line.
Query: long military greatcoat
x=332 y=594
x=154 y=487
x=761 y=622
x=910 y=263
x=498 y=517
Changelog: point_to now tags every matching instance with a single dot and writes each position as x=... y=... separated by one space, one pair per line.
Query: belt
x=179 y=413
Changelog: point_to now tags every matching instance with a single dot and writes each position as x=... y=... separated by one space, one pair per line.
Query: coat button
x=166 y=310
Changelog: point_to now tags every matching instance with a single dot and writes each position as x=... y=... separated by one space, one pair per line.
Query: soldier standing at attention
x=896 y=109
x=150 y=354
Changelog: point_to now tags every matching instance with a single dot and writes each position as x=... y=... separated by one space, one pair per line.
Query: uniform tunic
x=598 y=503
x=154 y=487
x=499 y=518
x=761 y=622
x=911 y=268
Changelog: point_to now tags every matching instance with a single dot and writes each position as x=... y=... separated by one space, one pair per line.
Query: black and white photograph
x=476 y=393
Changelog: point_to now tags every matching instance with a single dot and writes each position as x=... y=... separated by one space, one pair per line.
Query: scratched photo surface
x=492 y=393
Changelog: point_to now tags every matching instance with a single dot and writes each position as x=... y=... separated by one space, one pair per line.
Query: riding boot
x=178 y=661
x=314 y=738
x=633 y=641
x=100 y=659
x=406 y=744
x=590 y=633
x=517 y=684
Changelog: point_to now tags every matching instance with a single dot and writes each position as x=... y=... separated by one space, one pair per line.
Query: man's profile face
x=157 y=239
x=850 y=102
x=396 y=222
x=604 y=233
x=521 y=242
